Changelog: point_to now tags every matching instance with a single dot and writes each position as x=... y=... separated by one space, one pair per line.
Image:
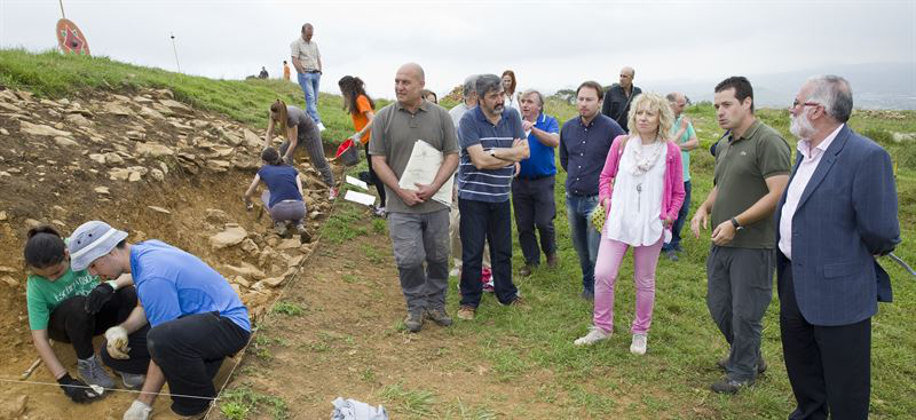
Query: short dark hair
x=44 y=247
x=593 y=85
x=742 y=88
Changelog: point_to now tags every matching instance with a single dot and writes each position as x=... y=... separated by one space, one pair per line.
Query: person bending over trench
x=196 y=319
x=71 y=306
x=299 y=130
x=283 y=197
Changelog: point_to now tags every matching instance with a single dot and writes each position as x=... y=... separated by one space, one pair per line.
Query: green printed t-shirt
x=43 y=295
x=688 y=133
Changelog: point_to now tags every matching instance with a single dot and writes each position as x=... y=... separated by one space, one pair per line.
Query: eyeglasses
x=795 y=104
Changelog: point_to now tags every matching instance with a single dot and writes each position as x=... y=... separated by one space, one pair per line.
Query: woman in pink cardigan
x=642 y=189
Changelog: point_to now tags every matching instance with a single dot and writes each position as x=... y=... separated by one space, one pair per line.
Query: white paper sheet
x=422 y=167
x=356 y=182
x=361 y=198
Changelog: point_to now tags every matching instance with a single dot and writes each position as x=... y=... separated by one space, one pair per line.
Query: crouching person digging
x=196 y=320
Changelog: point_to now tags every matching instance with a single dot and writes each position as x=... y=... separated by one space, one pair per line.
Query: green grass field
x=672 y=380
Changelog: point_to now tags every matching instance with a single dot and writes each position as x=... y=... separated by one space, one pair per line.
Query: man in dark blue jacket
x=838 y=212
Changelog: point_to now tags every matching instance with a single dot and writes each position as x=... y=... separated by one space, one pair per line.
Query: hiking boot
x=466 y=312
x=132 y=380
x=526 y=270
x=594 y=335
x=552 y=260
x=729 y=386
x=638 y=345
x=92 y=372
x=138 y=411
x=761 y=364
x=671 y=255
x=587 y=295
x=332 y=195
x=304 y=235
x=517 y=301
x=280 y=228
x=414 y=321
x=439 y=316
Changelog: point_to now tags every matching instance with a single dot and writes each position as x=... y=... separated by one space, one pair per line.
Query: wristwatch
x=736 y=224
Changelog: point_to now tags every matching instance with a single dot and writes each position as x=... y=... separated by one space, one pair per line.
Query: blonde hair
x=657 y=104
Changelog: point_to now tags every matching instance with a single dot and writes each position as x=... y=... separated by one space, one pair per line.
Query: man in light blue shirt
x=683 y=134
x=197 y=319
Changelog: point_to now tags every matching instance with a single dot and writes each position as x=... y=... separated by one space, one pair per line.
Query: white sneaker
x=638 y=346
x=320 y=127
x=594 y=335
x=137 y=411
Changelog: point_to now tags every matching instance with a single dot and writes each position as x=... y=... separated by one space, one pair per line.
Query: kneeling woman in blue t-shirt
x=71 y=306
x=283 y=197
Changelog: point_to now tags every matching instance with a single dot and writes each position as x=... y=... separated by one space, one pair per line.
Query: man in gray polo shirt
x=418 y=225
x=752 y=169
x=492 y=141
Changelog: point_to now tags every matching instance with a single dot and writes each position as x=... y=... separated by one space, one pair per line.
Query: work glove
x=98 y=298
x=77 y=390
x=117 y=342
x=137 y=411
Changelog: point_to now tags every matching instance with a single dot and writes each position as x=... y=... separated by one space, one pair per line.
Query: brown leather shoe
x=467 y=312
x=552 y=260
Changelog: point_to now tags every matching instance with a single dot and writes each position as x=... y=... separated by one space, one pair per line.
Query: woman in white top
x=642 y=188
x=509 y=84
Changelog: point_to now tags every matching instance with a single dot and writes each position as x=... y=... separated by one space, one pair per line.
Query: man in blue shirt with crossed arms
x=197 y=319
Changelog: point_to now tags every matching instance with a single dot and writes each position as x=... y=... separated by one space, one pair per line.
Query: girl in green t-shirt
x=58 y=309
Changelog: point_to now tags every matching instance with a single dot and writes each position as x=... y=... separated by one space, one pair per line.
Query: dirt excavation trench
x=147 y=164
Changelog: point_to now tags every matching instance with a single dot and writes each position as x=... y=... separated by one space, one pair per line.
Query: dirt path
x=349 y=341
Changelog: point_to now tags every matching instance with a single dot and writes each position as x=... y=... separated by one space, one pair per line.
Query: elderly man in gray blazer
x=838 y=212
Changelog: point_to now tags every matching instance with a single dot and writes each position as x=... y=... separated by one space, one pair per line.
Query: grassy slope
x=671 y=380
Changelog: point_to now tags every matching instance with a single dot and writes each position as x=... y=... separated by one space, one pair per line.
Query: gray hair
x=535 y=93
x=469 y=83
x=834 y=93
x=487 y=82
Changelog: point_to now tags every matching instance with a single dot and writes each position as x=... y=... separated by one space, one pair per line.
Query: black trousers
x=69 y=322
x=828 y=367
x=373 y=178
x=534 y=206
x=190 y=350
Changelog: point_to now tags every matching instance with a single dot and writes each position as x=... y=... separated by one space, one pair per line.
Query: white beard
x=801 y=126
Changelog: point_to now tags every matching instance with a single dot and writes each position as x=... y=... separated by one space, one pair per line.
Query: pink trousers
x=607 y=266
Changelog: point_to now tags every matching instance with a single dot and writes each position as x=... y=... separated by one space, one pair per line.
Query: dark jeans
x=69 y=322
x=190 y=350
x=828 y=367
x=534 y=206
x=675 y=243
x=374 y=179
x=585 y=237
x=740 y=287
x=481 y=221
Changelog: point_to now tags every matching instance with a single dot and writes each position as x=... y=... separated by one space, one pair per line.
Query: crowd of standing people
x=168 y=317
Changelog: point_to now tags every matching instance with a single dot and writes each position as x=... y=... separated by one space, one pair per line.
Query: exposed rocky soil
x=145 y=163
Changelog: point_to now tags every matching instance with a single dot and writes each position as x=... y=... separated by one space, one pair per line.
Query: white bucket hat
x=91 y=241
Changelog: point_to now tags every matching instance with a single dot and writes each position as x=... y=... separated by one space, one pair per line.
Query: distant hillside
x=875 y=85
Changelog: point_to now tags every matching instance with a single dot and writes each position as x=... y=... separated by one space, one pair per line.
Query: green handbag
x=598 y=216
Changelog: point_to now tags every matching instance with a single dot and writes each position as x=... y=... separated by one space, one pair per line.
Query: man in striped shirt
x=492 y=141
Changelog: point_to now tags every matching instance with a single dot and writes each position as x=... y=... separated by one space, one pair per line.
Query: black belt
x=313 y=71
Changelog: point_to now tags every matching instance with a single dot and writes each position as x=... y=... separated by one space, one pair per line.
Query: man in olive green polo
x=752 y=170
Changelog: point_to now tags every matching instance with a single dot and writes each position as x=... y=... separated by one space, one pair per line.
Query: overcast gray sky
x=550 y=44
